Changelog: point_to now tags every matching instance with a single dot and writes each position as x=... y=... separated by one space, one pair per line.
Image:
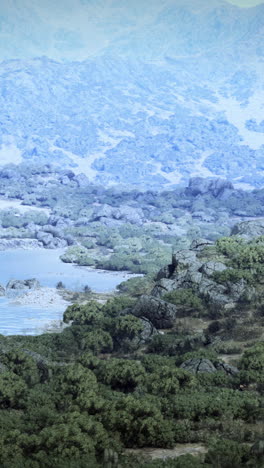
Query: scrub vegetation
x=115 y=380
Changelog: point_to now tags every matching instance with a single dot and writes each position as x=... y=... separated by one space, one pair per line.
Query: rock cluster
x=23 y=284
x=159 y=312
x=219 y=188
x=197 y=366
x=191 y=270
x=15 y=286
x=249 y=229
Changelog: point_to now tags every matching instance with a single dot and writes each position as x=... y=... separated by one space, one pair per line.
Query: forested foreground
x=78 y=398
x=175 y=360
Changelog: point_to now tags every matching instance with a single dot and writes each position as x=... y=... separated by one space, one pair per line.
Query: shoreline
x=46 y=298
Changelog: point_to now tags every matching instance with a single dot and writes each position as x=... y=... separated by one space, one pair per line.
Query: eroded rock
x=160 y=313
x=32 y=283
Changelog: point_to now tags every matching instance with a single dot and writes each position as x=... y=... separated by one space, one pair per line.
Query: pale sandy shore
x=44 y=297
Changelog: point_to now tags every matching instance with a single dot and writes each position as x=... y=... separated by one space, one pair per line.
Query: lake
x=46 y=267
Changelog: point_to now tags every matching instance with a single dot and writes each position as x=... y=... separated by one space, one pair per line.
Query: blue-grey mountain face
x=159 y=91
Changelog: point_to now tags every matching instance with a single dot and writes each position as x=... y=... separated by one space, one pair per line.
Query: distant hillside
x=163 y=91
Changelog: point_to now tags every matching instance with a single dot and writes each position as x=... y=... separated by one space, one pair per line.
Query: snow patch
x=238 y=115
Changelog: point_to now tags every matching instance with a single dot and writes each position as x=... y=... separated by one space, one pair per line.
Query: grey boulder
x=23 y=284
x=160 y=313
x=249 y=229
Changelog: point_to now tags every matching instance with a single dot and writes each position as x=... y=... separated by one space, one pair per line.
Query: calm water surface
x=46 y=266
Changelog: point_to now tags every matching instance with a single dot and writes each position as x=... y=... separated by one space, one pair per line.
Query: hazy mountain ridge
x=79 y=29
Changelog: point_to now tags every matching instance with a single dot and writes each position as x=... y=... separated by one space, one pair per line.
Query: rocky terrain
x=206 y=285
x=151 y=105
x=112 y=228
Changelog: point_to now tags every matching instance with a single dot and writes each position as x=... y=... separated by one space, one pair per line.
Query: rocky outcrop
x=195 y=269
x=160 y=313
x=23 y=284
x=249 y=229
x=51 y=242
x=82 y=180
x=214 y=292
x=209 y=268
x=200 y=244
x=198 y=366
x=215 y=187
x=147 y=333
x=227 y=368
x=108 y=214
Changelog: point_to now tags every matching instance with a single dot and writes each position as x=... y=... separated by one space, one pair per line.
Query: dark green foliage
x=136 y=286
x=186 y=299
x=252 y=366
x=12 y=390
x=127 y=326
x=167 y=380
x=184 y=461
x=97 y=341
x=78 y=398
x=117 y=304
x=245 y=259
x=140 y=422
x=227 y=454
x=232 y=275
x=124 y=375
x=88 y=314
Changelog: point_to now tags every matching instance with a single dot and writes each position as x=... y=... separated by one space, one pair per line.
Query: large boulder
x=160 y=313
x=237 y=290
x=184 y=259
x=2 y=290
x=162 y=287
x=147 y=333
x=129 y=214
x=227 y=368
x=216 y=187
x=201 y=365
x=32 y=283
x=125 y=213
x=198 y=366
x=102 y=211
x=45 y=237
x=214 y=293
x=51 y=242
x=82 y=180
x=211 y=267
x=249 y=229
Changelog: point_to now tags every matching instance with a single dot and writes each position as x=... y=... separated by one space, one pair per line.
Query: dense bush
x=185 y=298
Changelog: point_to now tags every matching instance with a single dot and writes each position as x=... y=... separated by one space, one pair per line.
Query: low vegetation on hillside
x=114 y=379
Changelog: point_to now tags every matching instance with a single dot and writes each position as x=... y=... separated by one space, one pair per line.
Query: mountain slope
x=169 y=92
